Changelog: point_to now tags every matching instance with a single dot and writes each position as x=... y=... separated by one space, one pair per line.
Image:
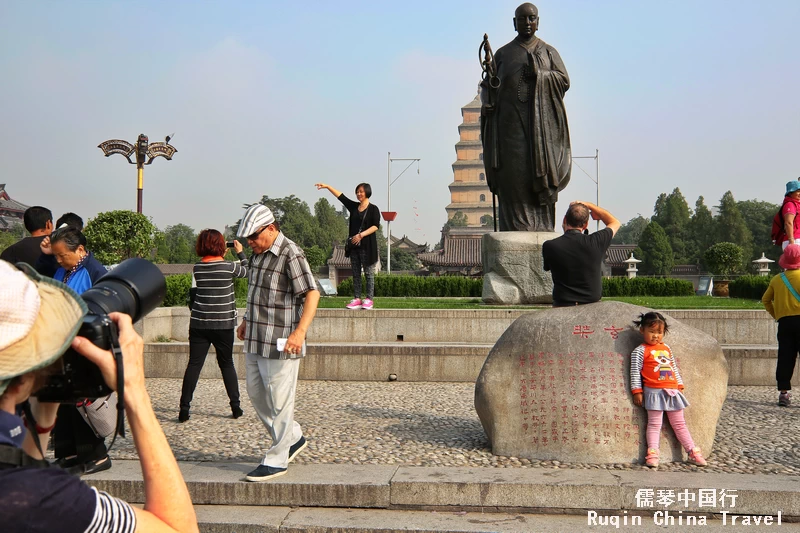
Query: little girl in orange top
x=652 y=364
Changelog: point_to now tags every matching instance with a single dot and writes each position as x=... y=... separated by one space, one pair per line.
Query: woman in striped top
x=213 y=316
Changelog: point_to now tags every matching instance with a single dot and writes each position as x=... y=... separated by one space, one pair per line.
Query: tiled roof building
x=614 y=265
x=407 y=245
x=461 y=252
x=11 y=211
x=339 y=266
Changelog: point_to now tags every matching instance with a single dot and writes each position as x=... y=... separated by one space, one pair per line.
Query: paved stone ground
x=435 y=424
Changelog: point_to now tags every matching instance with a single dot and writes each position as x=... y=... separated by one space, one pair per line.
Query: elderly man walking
x=281 y=302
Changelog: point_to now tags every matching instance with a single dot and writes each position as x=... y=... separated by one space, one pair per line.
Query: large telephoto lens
x=134 y=287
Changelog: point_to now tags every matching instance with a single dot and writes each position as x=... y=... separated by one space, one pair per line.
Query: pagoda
x=469 y=192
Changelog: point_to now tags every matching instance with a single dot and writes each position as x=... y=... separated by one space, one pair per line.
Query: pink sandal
x=651 y=459
x=696 y=458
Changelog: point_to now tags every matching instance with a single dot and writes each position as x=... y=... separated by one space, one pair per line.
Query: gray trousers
x=271 y=385
x=358 y=260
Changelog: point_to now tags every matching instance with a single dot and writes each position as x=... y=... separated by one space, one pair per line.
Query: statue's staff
x=490 y=83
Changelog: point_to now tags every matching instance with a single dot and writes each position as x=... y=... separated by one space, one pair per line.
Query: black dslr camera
x=135 y=287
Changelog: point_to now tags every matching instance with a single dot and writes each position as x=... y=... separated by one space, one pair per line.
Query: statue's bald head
x=526 y=20
x=526 y=9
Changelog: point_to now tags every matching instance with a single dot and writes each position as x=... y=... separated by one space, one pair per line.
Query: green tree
x=701 y=232
x=6 y=239
x=114 y=236
x=656 y=254
x=487 y=220
x=401 y=260
x=332 y=225
x=672 y=213
x=631 y=231
x=177 y=245
x=458 y=220
x=316 y=256
x=758 y=216
x=731 y=226
x=294 y=217
x=660 y=207
x=724 y=259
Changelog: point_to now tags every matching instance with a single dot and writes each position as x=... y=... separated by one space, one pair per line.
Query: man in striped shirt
x=281 y=302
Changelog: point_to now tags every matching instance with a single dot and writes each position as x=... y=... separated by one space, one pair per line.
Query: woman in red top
x=656 y=384
x=790 y=211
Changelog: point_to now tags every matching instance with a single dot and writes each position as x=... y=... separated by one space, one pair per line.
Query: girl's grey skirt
x=661 y=400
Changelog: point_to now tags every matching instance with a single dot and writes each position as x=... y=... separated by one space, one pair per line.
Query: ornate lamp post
x=144 y=150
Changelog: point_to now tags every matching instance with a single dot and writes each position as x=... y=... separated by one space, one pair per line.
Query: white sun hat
x=39 y=317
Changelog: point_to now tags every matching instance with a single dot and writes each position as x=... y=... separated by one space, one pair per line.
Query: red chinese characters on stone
x=556 y=412
x=613 y=331
x=582 y=331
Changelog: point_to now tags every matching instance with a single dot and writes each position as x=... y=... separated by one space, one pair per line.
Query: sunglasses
x=255 y=235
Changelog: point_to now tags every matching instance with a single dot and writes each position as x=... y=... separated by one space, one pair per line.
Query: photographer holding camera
x=39 y=319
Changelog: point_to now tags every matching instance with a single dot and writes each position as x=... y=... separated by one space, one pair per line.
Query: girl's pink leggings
x=654 y=419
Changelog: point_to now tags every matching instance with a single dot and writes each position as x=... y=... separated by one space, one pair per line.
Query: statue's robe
x=525 y=135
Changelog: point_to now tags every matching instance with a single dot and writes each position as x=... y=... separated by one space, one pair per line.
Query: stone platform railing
x=461 y=326
x=441 y=345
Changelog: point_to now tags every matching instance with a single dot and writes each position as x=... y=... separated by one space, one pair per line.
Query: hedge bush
x=418 y=286
x=458 y=286
x=178 y=290
x=618 y=286
x=751 y=287
x=178 y=286
x=240 y=288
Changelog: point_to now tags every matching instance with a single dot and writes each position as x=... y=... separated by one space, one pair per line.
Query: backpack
x=778 y=233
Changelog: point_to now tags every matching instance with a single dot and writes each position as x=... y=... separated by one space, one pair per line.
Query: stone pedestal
x=556 y=386
x=512 y=268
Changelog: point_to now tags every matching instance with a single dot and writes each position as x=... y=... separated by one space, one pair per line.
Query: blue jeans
x=358 y=260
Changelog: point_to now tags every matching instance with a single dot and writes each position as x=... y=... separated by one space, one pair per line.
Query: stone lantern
x=763 y=265
x=632 y=270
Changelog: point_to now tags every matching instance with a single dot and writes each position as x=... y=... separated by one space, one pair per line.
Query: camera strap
x=26 y=408
x=11 y=457
x=117 y=351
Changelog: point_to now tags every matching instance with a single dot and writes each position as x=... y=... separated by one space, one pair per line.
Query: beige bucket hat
x=39 y=317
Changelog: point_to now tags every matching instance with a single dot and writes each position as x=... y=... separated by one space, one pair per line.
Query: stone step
x=374 y=361
x=469 y=489
x=241 y=519
x=749 y=364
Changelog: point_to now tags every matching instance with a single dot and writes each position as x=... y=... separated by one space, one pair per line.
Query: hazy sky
x=271 y=97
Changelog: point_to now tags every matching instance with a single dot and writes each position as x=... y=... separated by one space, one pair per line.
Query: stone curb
x=241 y=519
x=421 y=361
x=471 y=489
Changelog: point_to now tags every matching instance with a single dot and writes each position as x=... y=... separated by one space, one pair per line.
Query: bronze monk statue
x=524 y=128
